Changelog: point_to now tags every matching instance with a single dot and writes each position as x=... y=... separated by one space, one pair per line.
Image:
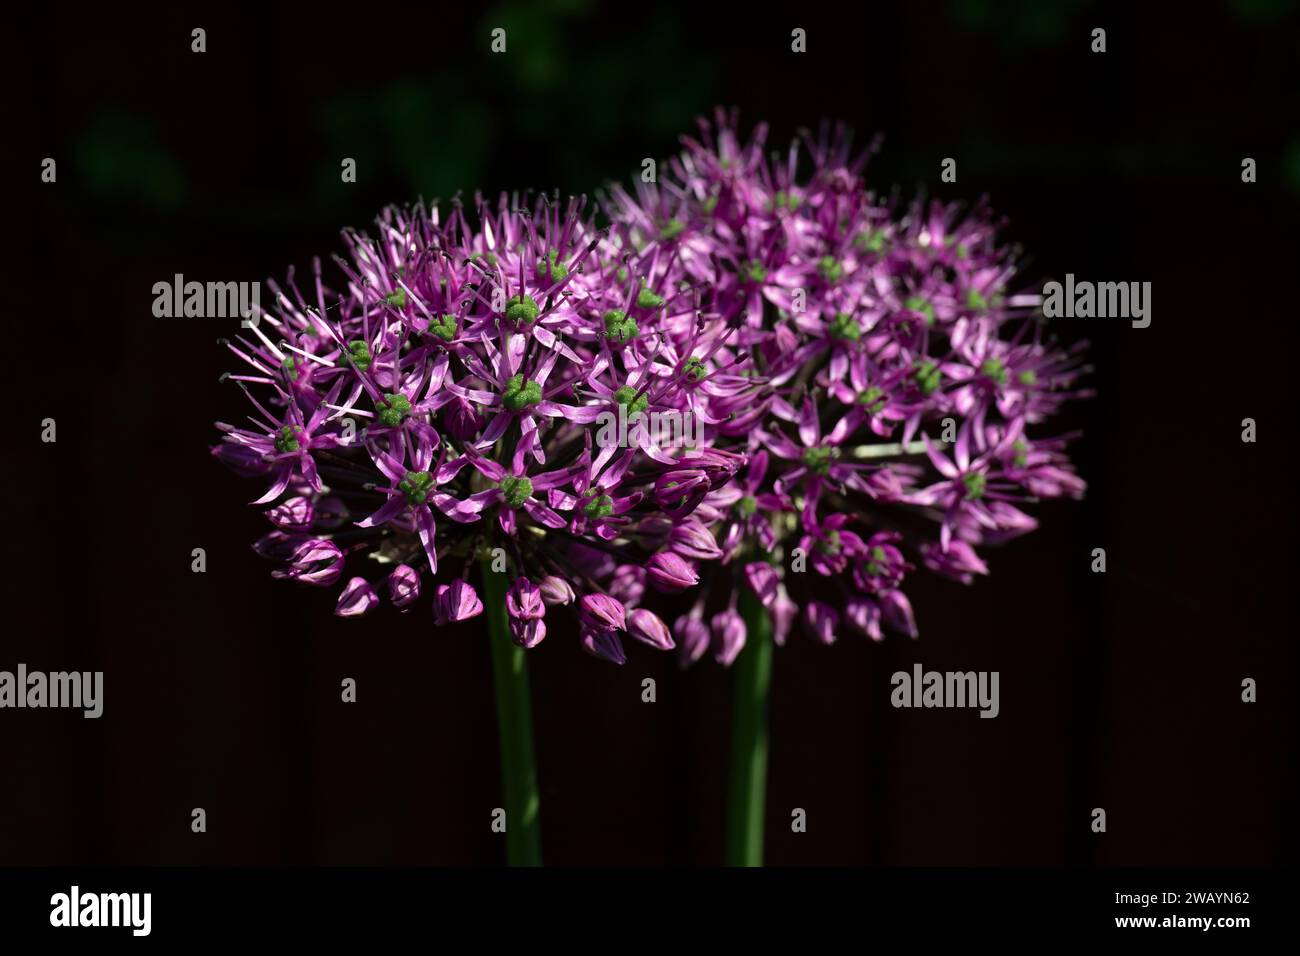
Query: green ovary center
x=628 y=397
x=618 y=327
x=830 y=544
x=872 y=399
x=928 y=376
x=394 y=409
x=845 y=328
x=359 y=354
x=522 y=310
x=753 y=272
x=597 y=505
x=516 y=490
x=520 y=394
x=995 y=369
x=918 y=304
x=559 y=271
x=672 y=229
x=286 y=439
x=646 y=299
x=694 y=369
x=444 y=327
x=416 y=486
x=819 y=459
x=869 y=241
x=830 y=268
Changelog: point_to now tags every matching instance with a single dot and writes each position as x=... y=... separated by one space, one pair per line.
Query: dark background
x=1119 y=690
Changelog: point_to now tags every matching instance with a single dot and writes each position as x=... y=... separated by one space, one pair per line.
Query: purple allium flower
x=879 y=370
x=449 y=393
x=477 y=382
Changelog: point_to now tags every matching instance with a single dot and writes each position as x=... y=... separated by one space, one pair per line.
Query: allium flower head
x=851 y=332
x=734 y=378
x=447 y=400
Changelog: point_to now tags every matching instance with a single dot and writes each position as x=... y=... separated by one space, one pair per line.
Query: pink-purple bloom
x=871 y=386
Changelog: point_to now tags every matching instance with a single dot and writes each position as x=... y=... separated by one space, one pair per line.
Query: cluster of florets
x=751 y=377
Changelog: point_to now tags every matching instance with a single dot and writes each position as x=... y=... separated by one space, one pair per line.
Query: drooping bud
x=403 y=586
x=524 y=600
x=292 y=514
x=241 y=459
x=628 y=583
x=603 y=642
x=460 y=419
x=601 y=611
x=316 y=561
x=691 y=539
x=357 y=598
x=762 y=580
x=669 y=573
x=527 y=633
x=729 y=634
x=821 y=620
x=897 y=610
x=457 y=601
x=649 y=628
x=692 y=638
x=681 y=490
x=278 y=546
x=555 y=590
x=783 y=612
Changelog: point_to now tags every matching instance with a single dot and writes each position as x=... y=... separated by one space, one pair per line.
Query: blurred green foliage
x=564 y=107
x=1261 y=12
x=1291 y=166
x=1016 y=23
x=120 y=160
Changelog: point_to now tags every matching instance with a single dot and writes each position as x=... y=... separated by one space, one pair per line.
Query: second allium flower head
x=450 y=398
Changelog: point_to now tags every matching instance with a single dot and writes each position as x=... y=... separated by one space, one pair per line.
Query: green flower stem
x=515 y=727
x=747 y=789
